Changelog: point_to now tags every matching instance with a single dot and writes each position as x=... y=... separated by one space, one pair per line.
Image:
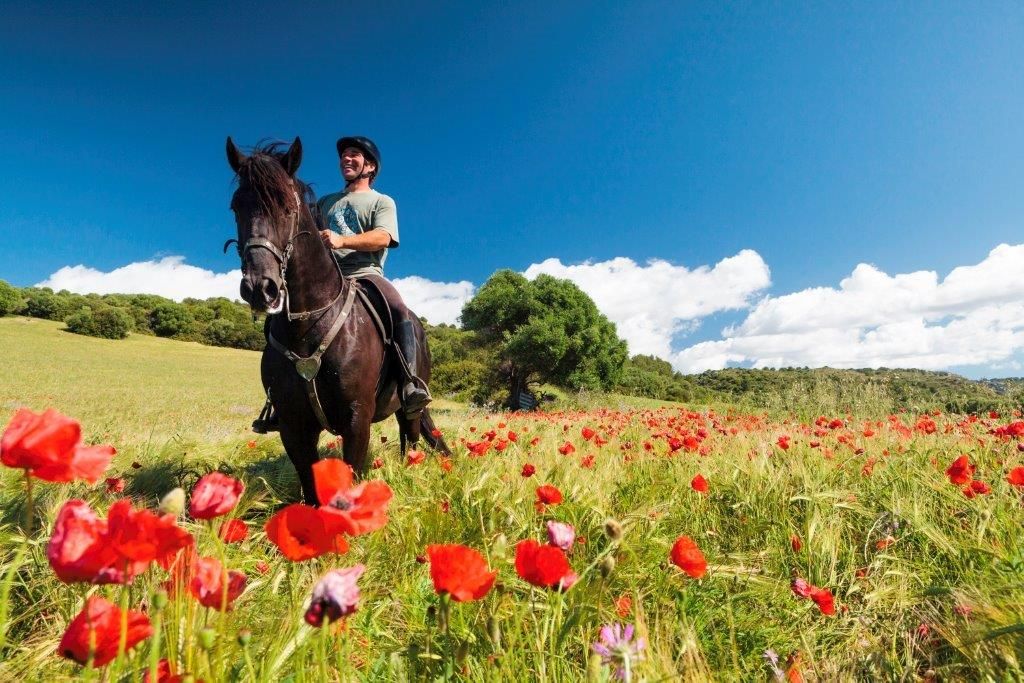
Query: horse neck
x=313 y=277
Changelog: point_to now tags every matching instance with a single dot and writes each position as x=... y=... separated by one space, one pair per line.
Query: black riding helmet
x=365 y=145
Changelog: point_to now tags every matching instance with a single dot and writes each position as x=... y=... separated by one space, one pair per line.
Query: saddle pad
x=378 y=307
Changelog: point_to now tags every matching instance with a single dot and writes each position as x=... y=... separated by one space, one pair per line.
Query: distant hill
x=825 y=390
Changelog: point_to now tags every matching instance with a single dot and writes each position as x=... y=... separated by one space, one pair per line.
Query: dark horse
x=287 y=271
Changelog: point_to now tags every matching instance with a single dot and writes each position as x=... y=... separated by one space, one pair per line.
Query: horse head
x=267 y=207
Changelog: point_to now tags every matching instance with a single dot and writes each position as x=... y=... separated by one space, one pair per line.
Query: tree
x=546 y=329
x=11 y=300
x=171 y=319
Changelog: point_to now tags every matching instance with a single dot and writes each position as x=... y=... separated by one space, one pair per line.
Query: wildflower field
x=629 y=541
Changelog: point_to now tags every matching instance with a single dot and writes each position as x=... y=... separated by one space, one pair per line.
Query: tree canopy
x=546 y=329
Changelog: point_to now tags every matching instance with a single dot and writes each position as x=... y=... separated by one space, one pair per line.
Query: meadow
x=837 y=547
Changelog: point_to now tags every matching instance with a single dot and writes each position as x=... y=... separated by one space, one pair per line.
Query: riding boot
x=267 y=421
x=415 y=394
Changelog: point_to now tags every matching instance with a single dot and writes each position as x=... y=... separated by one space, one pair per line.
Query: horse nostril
x=246 y=290
x=270 y=291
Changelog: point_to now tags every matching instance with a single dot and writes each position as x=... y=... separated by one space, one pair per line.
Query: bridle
x=283 y=256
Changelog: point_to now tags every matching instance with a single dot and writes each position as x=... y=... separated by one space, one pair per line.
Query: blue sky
x=818 y=138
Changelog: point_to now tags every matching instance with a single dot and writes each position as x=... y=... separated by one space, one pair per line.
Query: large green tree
x=546 y=329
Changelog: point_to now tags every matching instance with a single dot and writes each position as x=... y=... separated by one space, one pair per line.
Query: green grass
x=956 y=567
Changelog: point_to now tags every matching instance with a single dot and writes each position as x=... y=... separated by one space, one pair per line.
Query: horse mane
x=263 y=174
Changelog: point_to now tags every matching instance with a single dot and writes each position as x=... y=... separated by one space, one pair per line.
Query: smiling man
x=362 y=224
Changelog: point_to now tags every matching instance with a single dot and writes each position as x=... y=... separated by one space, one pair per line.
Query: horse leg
x=300 y=444
x=355 y=442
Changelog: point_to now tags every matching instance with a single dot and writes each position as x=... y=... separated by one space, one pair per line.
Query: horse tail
x=427 y=429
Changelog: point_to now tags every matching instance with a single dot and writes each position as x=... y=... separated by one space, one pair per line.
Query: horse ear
x=293 y=157
x=235 y=156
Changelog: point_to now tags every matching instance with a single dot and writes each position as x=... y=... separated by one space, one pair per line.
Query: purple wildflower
x=618 y=649
x=561 y=535
x=335 y=595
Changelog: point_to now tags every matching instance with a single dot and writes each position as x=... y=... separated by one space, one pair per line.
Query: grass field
x=928 y=583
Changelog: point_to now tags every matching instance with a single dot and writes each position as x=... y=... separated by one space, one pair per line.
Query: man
x=361 y=225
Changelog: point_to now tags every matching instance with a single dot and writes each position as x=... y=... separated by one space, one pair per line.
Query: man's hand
x=332 y=240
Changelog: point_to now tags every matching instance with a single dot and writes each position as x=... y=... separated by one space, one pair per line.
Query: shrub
x=171 y=319
x=106 y=323
x=10 y=299
x=112 y=323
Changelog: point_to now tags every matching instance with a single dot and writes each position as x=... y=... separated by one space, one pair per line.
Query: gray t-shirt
x=353 y=213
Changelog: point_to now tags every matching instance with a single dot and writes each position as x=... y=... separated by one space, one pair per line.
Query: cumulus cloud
x=170 y=277
x=651 y=303
x=974 y=316
x=438 y=302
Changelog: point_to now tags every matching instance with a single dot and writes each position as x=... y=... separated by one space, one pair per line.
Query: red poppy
x=445 y=464
x=353 y=510
x=623 y=606
x=460 y=571
x=796 y=543
x=587 y=433
x=824 y=600
x=821 y=596
x=213 y=586
x=543 y=565
x=215 y=494
x=263 y=566
x=100 y=622
x=566 y=448
x=528 y=470
x=548 y=495
x=414 y=457
x=301 y=532
x=960 y=471
x=783 y=442
x=115 y=485
x=699 y=484
x=48 y=446
x=976 y=488
x=478 y=448
x=234 y=531
x=87 y=548
x=1016 y=476
x=436 y=433
x=688 y=557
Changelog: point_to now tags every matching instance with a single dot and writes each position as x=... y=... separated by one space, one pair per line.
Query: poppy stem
x=30 y=514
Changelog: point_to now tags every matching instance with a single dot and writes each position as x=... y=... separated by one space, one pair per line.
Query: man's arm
x=371 y=240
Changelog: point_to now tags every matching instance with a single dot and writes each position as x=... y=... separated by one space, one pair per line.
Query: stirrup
x=267 y=421
x=421 y=399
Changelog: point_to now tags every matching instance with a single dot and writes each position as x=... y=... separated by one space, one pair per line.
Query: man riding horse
x=361 y=225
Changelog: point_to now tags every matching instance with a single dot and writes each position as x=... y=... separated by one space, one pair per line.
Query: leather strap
x=309 y=366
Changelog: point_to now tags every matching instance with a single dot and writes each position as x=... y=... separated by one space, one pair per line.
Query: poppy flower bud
x=461 y=653
x=160 y=599
x=494 y=631
x=500 y=547
x=613 y=530
x=607 y=566
x=206 y=638
x=244 y=636
x=173 y=502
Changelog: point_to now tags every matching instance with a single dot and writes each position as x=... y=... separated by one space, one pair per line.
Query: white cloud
x=438 y=302
x=975 y=316
x=651 y=303
x=170 y=277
